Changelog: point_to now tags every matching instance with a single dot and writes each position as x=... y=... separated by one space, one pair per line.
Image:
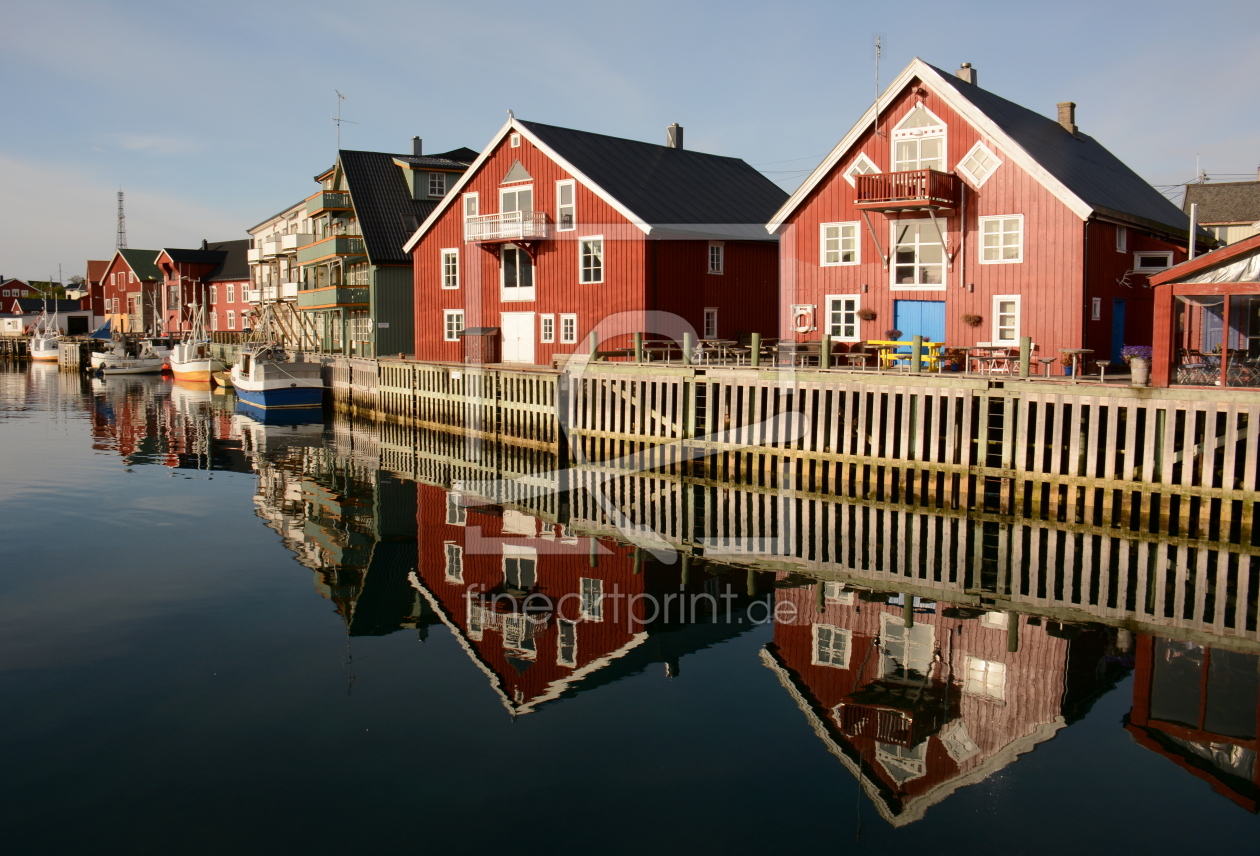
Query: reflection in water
x=1016 y=630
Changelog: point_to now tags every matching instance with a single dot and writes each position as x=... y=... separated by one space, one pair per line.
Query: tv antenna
x=121 y=241
x=879 y=52
x=337 y=120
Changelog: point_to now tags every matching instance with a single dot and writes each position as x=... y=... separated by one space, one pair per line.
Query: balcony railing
x=295 y=241
x=253 y=256
x=338 y=245
x=512 y=226
x=340 y=295
x=328 y=200
x=916 y=188
x=270 y=248
x=252 y=295
x=280 y=291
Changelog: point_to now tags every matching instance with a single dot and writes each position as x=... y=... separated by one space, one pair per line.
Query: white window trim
x=231 y=319
x=456 y=513
x=527 y=184
x=454 y=551
x=710 y=312
x=721 y=257
x=918 y=134
x=437 y=178
x=850 y=174
x=986 y=687
x=519 y=293
x=980 y=238
x=857 y=322
x=463 y=202
x=442 y=256
x=845 y=633
x=1019 y=318
x=447 y=314
x=563 y=317
x=573 y=185
x=543 y=336
x=515 y=141
x=1166 y=255
x=857 y=243
x=975 y=180
x=1095 y=309
x=892 y=267
x=1122 y=239
x=597 y=614
x=603 y=259
x=561 y=623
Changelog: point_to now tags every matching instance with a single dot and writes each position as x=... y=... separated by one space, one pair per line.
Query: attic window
x=979 y=164
x=437 y=184
x=918 y=141
x=516 y=141
x=1151 y=262
x=862 y=166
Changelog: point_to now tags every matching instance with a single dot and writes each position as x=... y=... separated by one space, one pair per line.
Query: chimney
x=673 y=136
x=205 y=245
x=417 y=147
x=968 y=74
x=1067 y=116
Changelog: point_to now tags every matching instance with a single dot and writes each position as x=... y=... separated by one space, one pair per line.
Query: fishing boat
x=191 y=359
x=145 y=362
x=265 y=376
x=45 y=345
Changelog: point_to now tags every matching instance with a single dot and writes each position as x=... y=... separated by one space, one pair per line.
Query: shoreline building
x=955 y=214
x=1230 y=210
x=552 y=230
x=214 y=276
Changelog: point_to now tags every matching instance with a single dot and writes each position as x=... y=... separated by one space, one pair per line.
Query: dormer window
x=437 y=184
x=918 y=141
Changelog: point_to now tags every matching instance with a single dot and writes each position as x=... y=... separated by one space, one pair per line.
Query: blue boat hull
x=289 y=396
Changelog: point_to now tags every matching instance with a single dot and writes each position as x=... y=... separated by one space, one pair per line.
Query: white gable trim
x=514 y=127
x=921 y=70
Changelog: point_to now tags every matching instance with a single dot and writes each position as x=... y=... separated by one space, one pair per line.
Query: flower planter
x=1141 y=371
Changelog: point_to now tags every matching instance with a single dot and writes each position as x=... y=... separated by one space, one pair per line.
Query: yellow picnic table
x=891 y=353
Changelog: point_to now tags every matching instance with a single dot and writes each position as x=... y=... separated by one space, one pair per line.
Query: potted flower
x=1066 y=360
x=892 y=335
x=956 y=359
x=867 y=314
x=1139 y=359
x=972 y=320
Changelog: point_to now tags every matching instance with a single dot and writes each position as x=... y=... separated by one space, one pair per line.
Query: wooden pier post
x=916 y=354
x=638 y=347
x=824 y=352
x=1025 y=355
x=907 y=610
x=594 y=344
x=686 y=349
x=1012 y=632
x=754 y=355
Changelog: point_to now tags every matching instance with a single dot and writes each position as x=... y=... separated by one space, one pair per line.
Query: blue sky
x=214 y=116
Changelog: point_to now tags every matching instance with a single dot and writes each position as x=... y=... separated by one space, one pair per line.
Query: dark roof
x=387 y=213
x=455 y=159
x=1080 y=162
x=142 y=262
x=664 y=185
x=193 y=257
x=12 y=280
x=31 y=305
x=1226 y=202
x=235 y=260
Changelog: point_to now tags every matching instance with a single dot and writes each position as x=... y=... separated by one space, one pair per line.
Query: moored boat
x=264 y=376
x=45 y=344
x=191 y=360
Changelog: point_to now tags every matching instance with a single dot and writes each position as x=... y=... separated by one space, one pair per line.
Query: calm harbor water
x=224 y=636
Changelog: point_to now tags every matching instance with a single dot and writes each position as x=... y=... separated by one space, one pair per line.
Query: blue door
x=1117 y=330
x=924 y=318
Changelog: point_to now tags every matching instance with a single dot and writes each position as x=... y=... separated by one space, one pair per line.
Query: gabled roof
x=193 y=257
x=143 y=263
x=234 y=263
x=14 y=279
x=1077 y=170
x=96 y=269
x=454 y=159
x=35 y=305
x=658 y=188
x=1227 y=202
x=383 y=203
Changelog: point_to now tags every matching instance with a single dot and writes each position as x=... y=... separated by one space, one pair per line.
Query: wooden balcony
x=328 y=200
x=504 y=228
x=335 y=245
x=913 y=189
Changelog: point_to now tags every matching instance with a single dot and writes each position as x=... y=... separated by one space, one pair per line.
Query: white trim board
x=960 y=105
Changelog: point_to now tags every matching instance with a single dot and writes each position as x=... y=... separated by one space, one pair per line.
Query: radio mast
x=121 y=242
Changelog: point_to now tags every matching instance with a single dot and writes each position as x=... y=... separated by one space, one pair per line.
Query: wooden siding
x=1110 y=277
x=1050 y=278
x=638 y=274
x=393 y=304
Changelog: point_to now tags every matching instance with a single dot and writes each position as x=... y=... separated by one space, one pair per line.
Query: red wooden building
x=952 y=213
x=16 y=288
x=214 y=276
x=129 y=290
x=915 y=713
x=1199 y=707
x=94 y=283
x=553 y=231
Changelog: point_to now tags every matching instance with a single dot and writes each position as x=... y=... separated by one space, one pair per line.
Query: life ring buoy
x=802 y=319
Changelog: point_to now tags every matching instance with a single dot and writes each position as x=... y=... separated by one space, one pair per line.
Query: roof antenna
x=337 y=120
x=511 y=115
x=879 y=50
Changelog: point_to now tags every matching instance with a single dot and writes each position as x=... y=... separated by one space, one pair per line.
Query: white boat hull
x=152 y=365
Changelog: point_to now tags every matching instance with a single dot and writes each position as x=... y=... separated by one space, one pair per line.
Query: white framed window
x=995 y=620
x=717 y=257
x=985 y=678
x=546 y=328
x=918 y=257
x=437 y=184
x=231 y=292
x=591 y=259
x=710 y=322
x=979 y=164
x=452 y=324
x=1152 y=262
x=905 y=652
x=839 y=244
x=1006 y=319
x=516 y=274
x=515 y=141
x=454 y=563
x=1122 y=239
x=566 y=643
x=592 y=599
x=1002 y=240
x=214 y=295
x=476 y=622
x=836 y=593
x=842 y=316
x=111 y=279
x=472 y=208
x=450 y=268
x=231 y=318
x=918 y=141
x=132 y=274
x=831 y=646
x=513 y=200
x=568 y=329
x=456 y=514
x=862 y=166
x=566 y=205
x=1095 y=309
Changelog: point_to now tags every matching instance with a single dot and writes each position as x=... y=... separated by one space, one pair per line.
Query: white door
x=518 y=336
